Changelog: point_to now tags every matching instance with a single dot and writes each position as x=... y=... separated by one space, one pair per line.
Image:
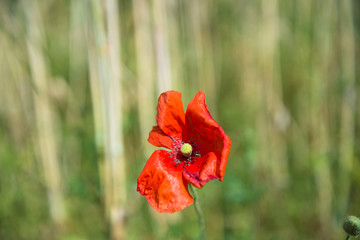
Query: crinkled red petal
x=170 y=114
x=201 y=128
x=202 y=170
x=162 y=184
x=159 y=139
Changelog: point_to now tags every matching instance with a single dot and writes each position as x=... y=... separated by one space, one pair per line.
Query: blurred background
x=79 y=85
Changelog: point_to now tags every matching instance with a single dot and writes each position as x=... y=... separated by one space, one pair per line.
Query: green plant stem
x=199 y=213
x=348 y=237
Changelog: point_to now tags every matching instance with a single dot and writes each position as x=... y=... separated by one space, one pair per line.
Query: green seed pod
x=352 y=226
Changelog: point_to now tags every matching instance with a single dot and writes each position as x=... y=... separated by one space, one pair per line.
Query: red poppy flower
x=198 y=146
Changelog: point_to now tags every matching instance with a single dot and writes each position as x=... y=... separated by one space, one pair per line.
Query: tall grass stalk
x=200 y=42
x=164 y=75
x=77 y=84
x=348 y=100
x=274 y=116
x=108 y=64
x=114 y=111
x=97 y=108
x=175 y=50
x=319 y=86
x=45 y=121
x=77 y=56
x=145 y=70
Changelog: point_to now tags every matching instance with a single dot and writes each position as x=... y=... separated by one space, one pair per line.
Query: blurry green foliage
x=286 y=91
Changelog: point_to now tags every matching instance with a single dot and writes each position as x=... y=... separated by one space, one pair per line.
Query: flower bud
x=352 y=226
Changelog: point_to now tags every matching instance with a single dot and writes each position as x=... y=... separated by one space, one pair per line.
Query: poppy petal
x=162 y=184
x=201 y=128
x=170 y=113
x=159 y=139
x=201 y=171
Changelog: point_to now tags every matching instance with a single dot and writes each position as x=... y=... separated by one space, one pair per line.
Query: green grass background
x=281 y=77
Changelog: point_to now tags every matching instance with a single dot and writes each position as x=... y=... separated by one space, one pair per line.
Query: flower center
x=184 y=153
x=186 y=150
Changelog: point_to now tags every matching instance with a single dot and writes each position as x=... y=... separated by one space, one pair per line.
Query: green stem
x=348 y=237
x=199 y=213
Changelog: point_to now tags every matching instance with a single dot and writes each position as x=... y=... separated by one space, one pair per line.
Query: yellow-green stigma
x=186 y=150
